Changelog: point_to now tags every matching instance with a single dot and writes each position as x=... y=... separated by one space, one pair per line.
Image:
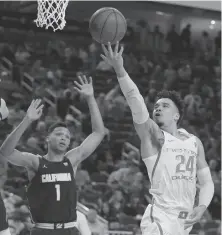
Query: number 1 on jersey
x=57 y=186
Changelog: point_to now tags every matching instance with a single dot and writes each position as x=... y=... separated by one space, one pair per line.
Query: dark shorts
x=3 y=219
x=67 y=231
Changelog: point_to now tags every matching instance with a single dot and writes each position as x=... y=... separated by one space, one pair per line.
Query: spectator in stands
x=116 y=204
x=16 y=114
x=72 y=62
x=82 y=177
x=158 y=74
x=125 y=177
x=217 y=43
x=105 y=211
x=186 y=38
x=144 y=65
x=101 y=175
x=83 y=55
x=54 y=74
x=93 y=51
x=157 y=39
x=63 y=103
x=206 y=44
x=22 y=55
x=51 y=116
x=41 y=130
x=170 y=75
x=131 y=63
x=192 y=102
x=185 y=71
x=173 y=40
x=38 y=71
x=144 y=34
x=134 y=206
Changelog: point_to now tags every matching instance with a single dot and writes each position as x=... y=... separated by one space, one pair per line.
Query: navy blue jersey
x=52 y=192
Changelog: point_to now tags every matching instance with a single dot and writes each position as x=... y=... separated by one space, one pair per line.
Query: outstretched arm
x=146 y=129
x=7 y=150
x=89 y=145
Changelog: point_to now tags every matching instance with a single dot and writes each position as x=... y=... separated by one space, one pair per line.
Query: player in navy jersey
x=3 y=218
x=52 y=189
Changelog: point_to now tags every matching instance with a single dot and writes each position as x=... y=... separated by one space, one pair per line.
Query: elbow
x=5 y=153
x=100 y=132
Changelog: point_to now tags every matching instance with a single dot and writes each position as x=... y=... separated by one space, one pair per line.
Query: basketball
x=107 y=25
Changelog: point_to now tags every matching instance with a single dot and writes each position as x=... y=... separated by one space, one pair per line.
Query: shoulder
x=200 y=146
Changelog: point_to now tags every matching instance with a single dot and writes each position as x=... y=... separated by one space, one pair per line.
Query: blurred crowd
x=113 y=182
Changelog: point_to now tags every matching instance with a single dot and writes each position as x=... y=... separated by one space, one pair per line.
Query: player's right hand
x=34 y=111
x=113 y=58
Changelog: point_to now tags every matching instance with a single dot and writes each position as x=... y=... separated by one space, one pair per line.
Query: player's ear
x=176 y=116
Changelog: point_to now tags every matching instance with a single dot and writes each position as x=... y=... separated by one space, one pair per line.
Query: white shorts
x=159 y=222
x=5 y=232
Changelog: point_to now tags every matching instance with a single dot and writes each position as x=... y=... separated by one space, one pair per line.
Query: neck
x=172 y=129
x=54 y=156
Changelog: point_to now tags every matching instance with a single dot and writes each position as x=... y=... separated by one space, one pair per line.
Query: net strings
x=51 y=13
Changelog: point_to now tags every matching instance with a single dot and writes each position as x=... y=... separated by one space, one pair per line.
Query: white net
x=51 y=13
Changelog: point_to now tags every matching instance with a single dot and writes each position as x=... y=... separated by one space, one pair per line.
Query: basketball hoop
x=51 y=13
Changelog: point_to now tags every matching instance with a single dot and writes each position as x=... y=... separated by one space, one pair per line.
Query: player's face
x=59 y=139
x=165 y=112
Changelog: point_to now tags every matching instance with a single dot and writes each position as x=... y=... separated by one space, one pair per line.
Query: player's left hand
x=84 y=86
x=195 y=216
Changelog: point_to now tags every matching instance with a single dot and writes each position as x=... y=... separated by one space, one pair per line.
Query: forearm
x=206 y=187
x=133 y=97
x=96 y=118
x=12 y=140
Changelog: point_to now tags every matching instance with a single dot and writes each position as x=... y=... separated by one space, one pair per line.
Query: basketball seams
x=116 y=26
x=96 y=15
x=104 y=25
x=124 y=20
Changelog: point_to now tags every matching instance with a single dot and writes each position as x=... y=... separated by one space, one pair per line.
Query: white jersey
x=172 y=173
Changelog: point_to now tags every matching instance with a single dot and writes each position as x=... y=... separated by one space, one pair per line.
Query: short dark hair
x=176 y=98
x=55 y=125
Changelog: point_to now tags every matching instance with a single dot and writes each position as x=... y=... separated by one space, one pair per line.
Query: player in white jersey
x=173 y=157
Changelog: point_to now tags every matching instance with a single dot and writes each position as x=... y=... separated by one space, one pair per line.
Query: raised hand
x=84 y=86
x=34 y=111
x=113 y=58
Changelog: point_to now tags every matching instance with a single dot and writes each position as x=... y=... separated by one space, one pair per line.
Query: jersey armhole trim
x=156 y=162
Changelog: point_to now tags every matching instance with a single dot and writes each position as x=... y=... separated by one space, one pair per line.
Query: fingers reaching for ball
x=113 y=57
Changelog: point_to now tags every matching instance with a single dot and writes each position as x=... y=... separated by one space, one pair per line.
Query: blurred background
x=167 y=46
